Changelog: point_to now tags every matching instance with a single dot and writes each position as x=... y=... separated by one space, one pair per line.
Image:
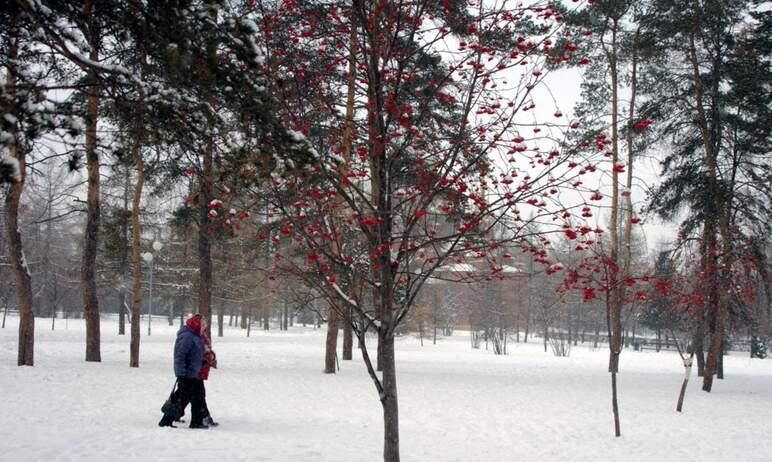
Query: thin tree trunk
x=614 y=294
x=124 y=257
x=331 y=344
x=348 y=338
x=220 y=320
x=204 y=246
x=91 y=240
x=249 y=320
x=136 y=260
x=615 y=401
x=682 y=393
x=122 y=312
x=332 y=337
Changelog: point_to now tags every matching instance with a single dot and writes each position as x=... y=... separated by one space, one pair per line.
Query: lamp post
x=149 y=258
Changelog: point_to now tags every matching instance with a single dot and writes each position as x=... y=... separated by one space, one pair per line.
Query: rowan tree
x=439 y=155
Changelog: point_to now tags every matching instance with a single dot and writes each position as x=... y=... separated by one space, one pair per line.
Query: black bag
x=172 y=407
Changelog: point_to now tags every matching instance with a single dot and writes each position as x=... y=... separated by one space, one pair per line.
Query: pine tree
x=714 y=169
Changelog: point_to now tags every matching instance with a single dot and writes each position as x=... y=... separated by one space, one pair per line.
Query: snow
x=456 y=404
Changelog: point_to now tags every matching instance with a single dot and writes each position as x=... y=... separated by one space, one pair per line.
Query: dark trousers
x=192 y=391
x=204 y=407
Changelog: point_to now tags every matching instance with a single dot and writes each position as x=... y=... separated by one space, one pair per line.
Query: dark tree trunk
x=21 y=273
x=348 y=338
x=204 y=246
x=136 y=261
x=91 y=241
x=220 y=321
x=19 y=265
x=331 y=345
x=720 y=367
x=389 y=401
x=697 y=347
x=715 y=351
x=687 y=373
x=122 y=313
x=615 y=401
x=245 y=313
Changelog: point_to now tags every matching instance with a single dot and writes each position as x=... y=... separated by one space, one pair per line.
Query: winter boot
x=208 y=421
x=166 y=421
x=200 y=426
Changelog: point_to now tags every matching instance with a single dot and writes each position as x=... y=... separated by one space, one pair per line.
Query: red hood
x=194 y=323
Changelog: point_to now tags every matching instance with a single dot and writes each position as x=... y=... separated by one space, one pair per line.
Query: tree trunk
x=687 y=373
x=718 y=220
x=614 y=400
x=220 y=320
x=122 y=313
x=136 y=260
x=204 y=246
x=347 y=148
x=249 y=321
x=19 y=265
x=124 y=257
x=615 y=291
x=246 y=314
x=715 y=350
x=389 y=401
x=91 y=241
x=348 y=338
x=720 y=369
x=331 y=345
x=15 y=245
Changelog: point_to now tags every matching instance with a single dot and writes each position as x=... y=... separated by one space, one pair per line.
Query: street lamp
x=148 y=257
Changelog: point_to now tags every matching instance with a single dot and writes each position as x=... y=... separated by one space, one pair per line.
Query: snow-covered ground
x=456 y=404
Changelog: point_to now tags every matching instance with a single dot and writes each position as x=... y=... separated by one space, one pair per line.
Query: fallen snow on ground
x=456 y=403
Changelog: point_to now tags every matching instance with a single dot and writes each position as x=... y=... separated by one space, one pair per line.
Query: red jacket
x=209 y=357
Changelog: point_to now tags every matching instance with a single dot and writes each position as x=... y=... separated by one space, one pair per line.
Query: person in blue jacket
x=188 y=359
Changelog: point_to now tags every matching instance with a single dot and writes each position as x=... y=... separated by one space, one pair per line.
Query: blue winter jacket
x=188 y=353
